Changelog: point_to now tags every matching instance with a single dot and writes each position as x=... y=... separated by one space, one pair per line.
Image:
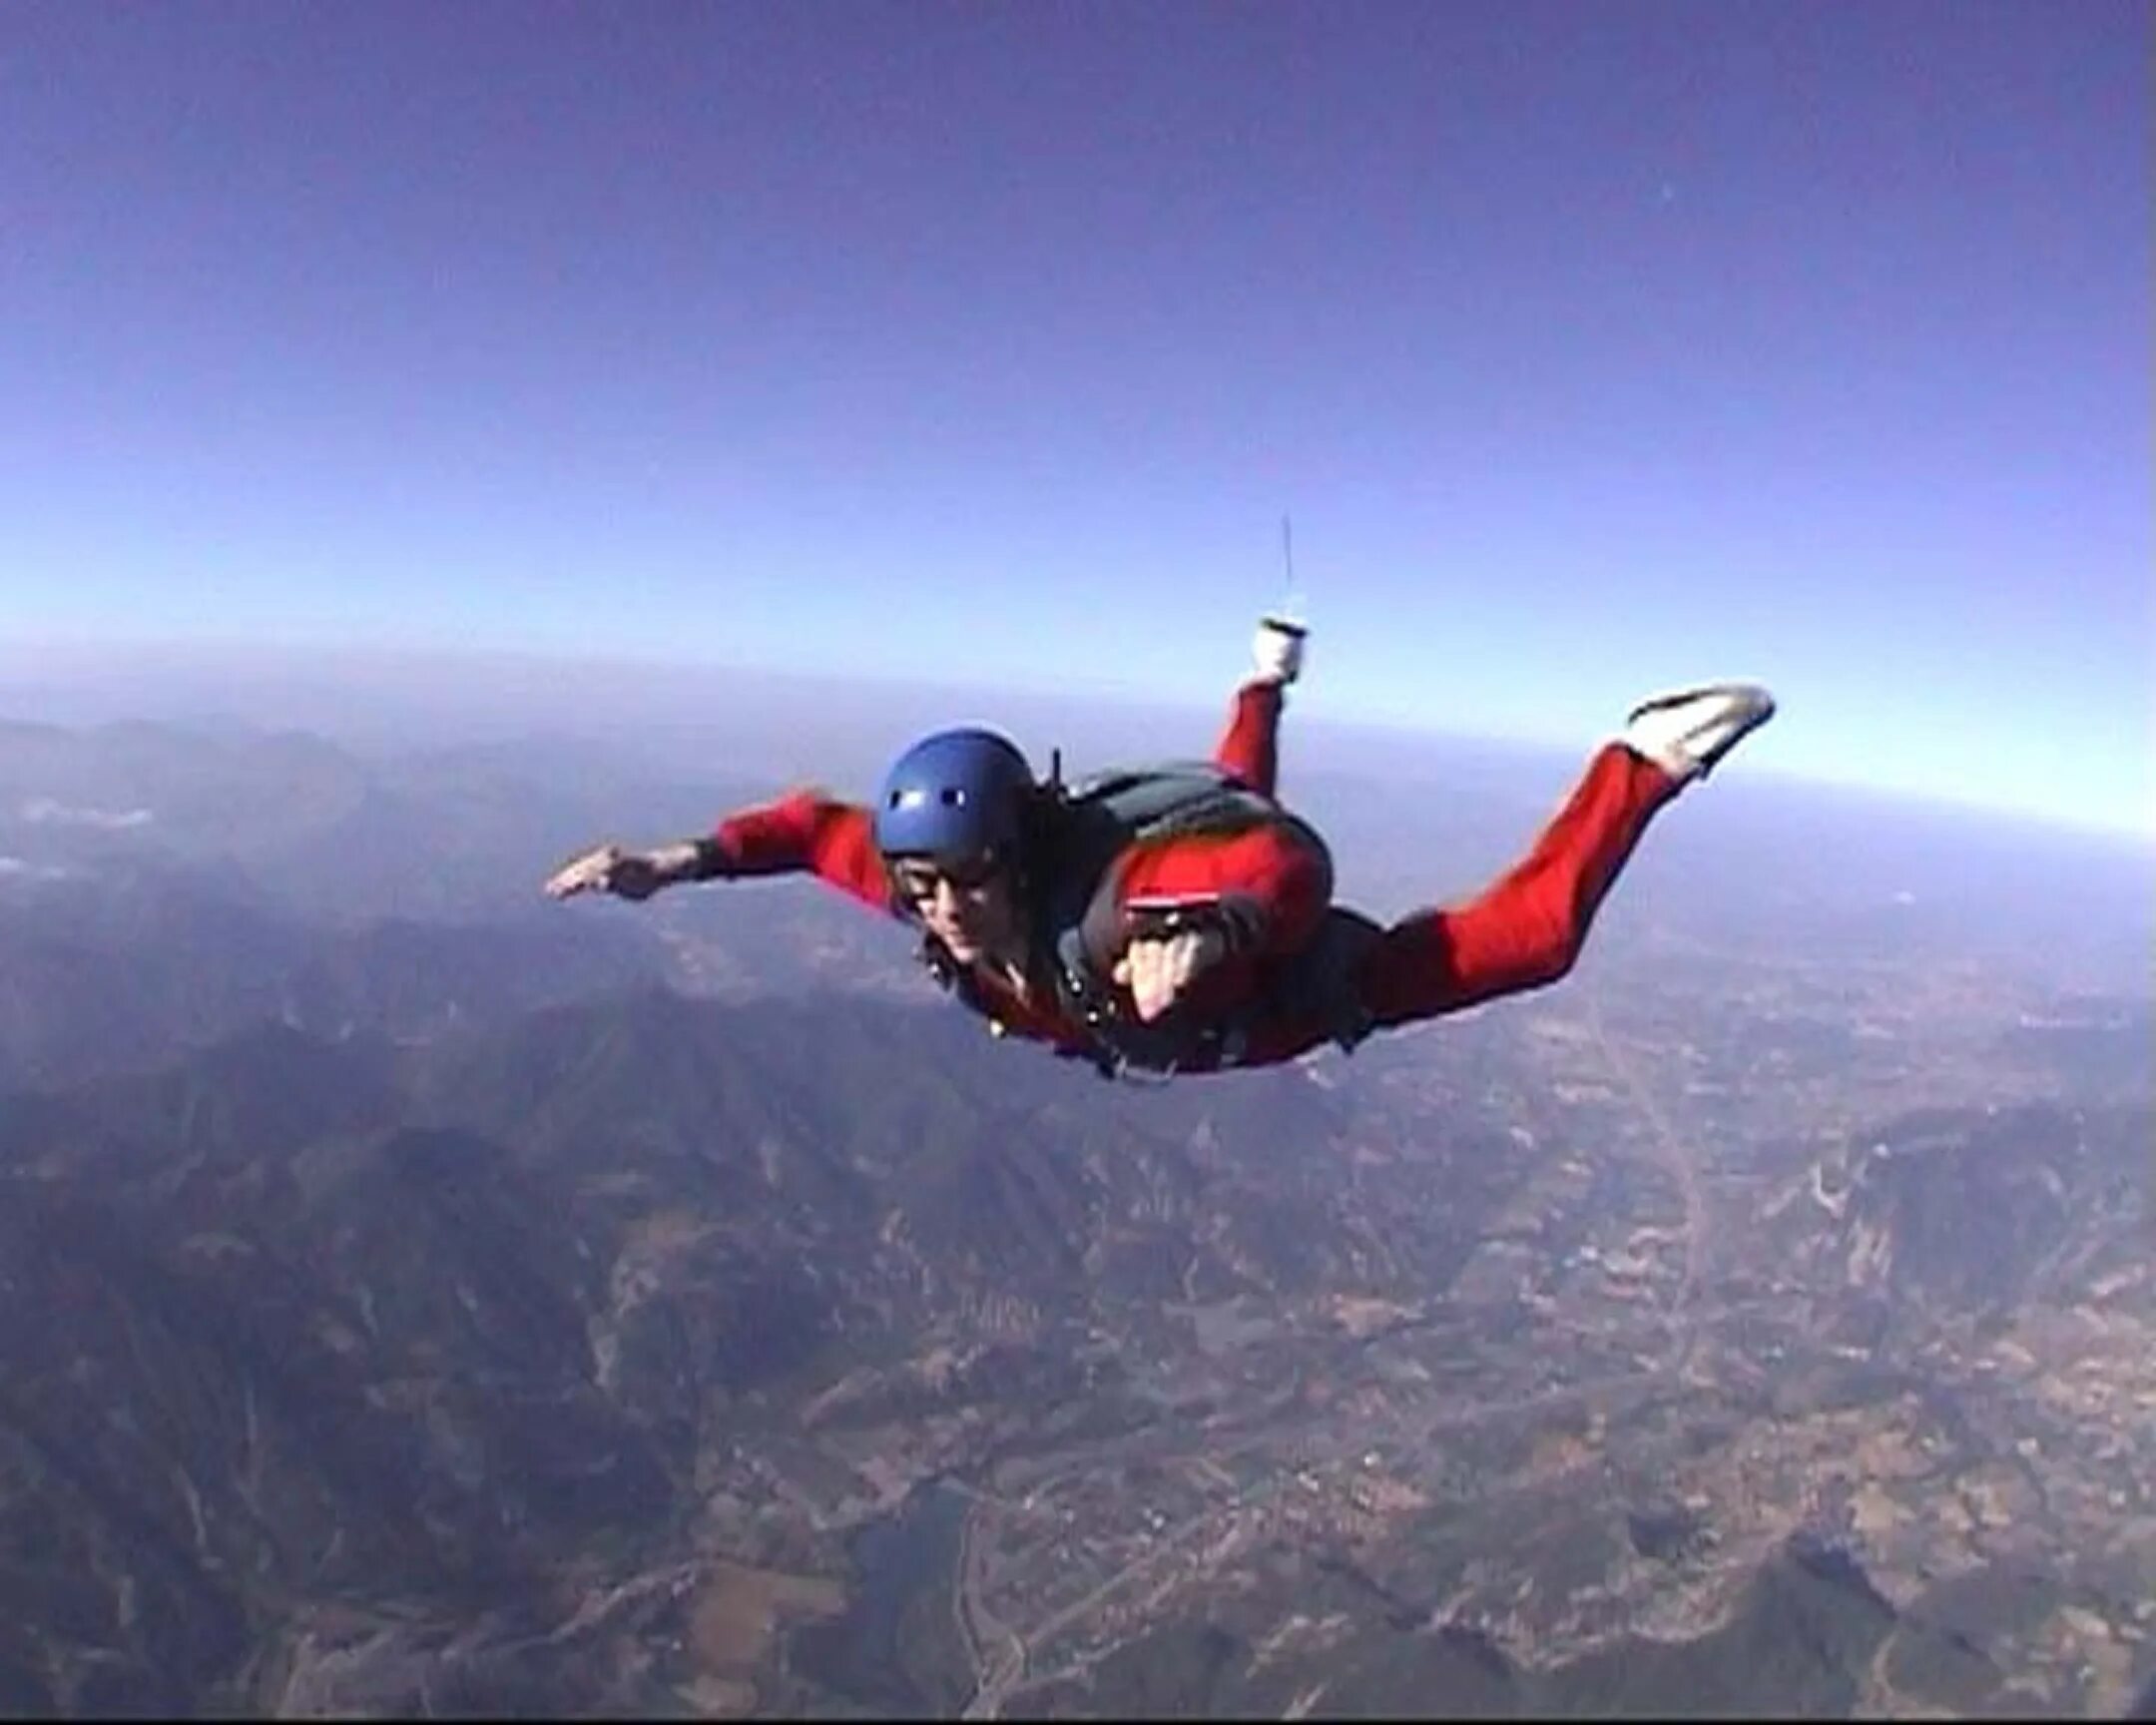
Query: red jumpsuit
x=1522 y=932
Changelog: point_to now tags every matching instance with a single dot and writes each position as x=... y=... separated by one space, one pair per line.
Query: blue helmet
x=954 y=794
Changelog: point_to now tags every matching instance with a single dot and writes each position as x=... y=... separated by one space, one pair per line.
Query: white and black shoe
x=1686 y=734
x=1277 y=650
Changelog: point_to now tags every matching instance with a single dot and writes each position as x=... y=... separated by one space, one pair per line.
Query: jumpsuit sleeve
x=1267 y=886
x=1250 y=747
x=808 y=833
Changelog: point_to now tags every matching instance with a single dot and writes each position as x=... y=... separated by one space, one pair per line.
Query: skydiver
x=1180 y=919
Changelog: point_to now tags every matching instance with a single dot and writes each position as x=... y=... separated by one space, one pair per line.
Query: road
x=1681 y=1161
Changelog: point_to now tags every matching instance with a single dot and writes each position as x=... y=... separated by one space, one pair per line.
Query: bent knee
x=1438 y=963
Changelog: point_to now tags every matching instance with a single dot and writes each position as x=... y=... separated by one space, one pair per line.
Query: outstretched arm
x=805 y=832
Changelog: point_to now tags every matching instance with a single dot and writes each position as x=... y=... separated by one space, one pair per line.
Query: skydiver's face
x=972 y=911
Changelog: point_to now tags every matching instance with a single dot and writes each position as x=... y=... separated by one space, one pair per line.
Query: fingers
x=591 y=872
x=1157 y=972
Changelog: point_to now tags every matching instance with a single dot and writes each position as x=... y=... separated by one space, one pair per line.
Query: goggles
x=916 y=878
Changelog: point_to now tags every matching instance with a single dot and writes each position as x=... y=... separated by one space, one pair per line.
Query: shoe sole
x=1756 y=704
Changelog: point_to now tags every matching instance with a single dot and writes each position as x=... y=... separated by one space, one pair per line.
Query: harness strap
x=1103 y=817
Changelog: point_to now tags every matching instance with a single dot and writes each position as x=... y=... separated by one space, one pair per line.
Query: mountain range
x=414 y=1297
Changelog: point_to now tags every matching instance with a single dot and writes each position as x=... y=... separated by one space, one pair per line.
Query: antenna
x=1290 y=606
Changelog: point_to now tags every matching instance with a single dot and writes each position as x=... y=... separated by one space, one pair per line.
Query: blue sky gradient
x=1593 y=349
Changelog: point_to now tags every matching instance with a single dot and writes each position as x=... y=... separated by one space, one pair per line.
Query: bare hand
x=608 y=868
x=1156 y=971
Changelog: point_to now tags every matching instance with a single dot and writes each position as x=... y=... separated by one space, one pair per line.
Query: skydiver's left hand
x=1157 y=972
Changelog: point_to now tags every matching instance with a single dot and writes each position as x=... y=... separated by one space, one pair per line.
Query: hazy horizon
x=827 y=729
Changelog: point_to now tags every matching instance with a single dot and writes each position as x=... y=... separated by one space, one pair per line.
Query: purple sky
x=1593 y=349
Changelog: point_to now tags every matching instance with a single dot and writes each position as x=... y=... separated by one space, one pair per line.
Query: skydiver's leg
x=1528 y=928
x=1525 y=929
x=1250 y=747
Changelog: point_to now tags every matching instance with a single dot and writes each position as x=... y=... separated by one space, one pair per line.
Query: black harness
x=1077 y=928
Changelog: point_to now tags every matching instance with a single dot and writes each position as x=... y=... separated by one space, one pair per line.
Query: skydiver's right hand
x=1158 y=969
x=628 y=875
